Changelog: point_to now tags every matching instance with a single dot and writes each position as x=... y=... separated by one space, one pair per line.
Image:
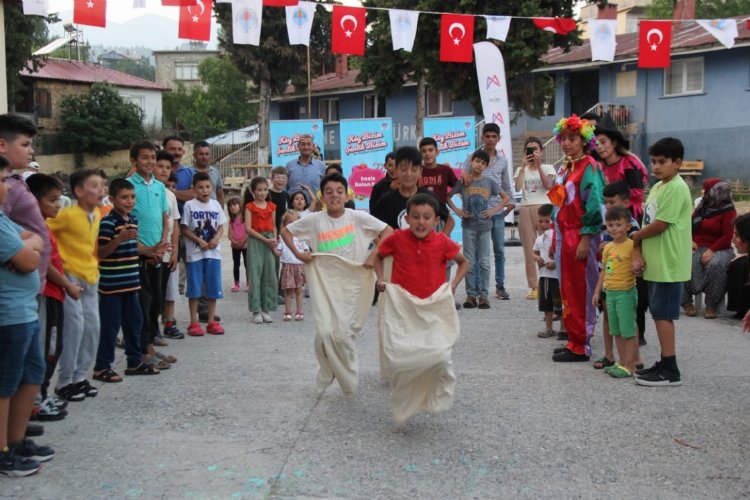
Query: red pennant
x=556 y=25
x=456 y=38
x=90 y=12
x=178 y=3
x=195 y=21
x=348 y=26
x=280 y=3
x=654 y=44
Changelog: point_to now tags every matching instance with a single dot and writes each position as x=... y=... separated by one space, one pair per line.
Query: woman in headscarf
x=712 y=247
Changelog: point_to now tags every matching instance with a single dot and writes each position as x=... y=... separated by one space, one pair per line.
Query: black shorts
x=549 y=295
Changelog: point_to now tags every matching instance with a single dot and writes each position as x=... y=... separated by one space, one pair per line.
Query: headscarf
x=717 y=199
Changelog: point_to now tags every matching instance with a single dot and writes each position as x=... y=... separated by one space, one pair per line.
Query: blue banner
x=285 y=135
x=364 y=144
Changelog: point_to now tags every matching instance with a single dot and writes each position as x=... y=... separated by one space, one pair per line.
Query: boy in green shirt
x=663 y=254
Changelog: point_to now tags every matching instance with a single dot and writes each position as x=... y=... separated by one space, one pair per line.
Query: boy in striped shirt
x=119 y=284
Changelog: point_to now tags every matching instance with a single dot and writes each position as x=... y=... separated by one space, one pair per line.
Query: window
x=186 y=71
x=289 y=111
x=685 y=76
x=328 y=110
x=626 y=83
x=439 y=103
x=373 y=106
x=42 y=103
x=138 y=100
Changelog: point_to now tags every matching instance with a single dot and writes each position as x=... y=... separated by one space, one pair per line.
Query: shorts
x=621 y=308
x=204 y=271
x=664 y=300
x=172 y=293
x=549 y=295
x=21 y=359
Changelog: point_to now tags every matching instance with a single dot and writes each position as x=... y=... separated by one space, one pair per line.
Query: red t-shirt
x=418 y=265
x=437 y=180
x=262 y=218
x=50 y=289
x=715 y=233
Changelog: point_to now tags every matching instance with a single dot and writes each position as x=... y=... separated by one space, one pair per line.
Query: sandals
x=166 y=357
x=157 y=363
x=108 y=376
x=195 y=330
x=299 y=316
x=603 y=362
x=288 y=316
x=142 y=369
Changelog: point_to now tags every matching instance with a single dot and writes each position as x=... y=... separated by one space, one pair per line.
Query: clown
x=578 y=196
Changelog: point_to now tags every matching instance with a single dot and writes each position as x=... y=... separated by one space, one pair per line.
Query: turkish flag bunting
x=195 y=21
x=456 y=38
x=556 y=25
x=348 y=26
x=654 y=44
x=178 y=3
x=90 y=12
x=280 y=3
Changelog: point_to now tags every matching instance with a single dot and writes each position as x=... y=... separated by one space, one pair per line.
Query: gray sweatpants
x=80 y=334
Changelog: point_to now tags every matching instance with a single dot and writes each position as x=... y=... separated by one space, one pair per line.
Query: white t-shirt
x=542 y=245
x=173 y=214
x=348 y=236
x=204 y=219
x=532 y=190
x=287 y=256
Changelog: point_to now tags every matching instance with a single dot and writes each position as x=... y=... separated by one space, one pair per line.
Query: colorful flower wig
x=575 y=124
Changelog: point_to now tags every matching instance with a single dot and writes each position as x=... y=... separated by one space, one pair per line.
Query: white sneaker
x=266 y=317
x=257 y=319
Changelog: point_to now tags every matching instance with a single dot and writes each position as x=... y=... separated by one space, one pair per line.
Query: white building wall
x=148 y=100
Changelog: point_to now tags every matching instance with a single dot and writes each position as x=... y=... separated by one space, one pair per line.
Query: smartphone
x=529 y=151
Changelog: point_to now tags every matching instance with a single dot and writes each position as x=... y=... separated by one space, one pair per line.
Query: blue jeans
x=498 y=248
x=477 y=251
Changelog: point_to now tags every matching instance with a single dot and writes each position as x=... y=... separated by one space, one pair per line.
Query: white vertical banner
x=497 y=27
x=36 y=7
x=602 y=36
x=246 y=21
x=494 y=96
x=299 y=21
x=139 y=4
x=403 y=28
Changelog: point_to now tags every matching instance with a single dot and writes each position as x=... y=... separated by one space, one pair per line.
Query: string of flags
x=349 y=24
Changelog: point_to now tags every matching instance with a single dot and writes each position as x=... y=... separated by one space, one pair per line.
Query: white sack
x=341 y=292
x=417 y=340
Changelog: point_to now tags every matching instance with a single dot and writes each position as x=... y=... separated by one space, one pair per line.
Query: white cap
x=34 y=165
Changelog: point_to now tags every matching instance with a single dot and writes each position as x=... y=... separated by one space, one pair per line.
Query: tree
x=522 y=50
x=99 y=122
x=704 y=9
x=197 y=113
x=275 y=63
x=24 y=34
x=137 y=67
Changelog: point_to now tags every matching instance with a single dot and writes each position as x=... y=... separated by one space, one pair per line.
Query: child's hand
x=380 y=286
x=203 y=245
x=73 y=290
x=595 y=299
x=276 y=252
x=370 y=262
x=271 y=243
x=130 y=233
x=550 y=265
x=33 y=241
x=173 y=262
x=305 y=257
x=637 y=264
x=213 y=243
x=463 y=213
x=485 y=214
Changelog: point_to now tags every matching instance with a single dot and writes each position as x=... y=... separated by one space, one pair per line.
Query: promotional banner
x=494 y=96
x=364 y=144
x=285 y=136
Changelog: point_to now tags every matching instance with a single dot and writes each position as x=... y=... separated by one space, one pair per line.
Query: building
x=627 y=13
x=181 y=66
x=59 y=78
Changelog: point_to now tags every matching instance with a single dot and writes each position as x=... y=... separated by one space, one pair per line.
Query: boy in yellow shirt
x=618 y=281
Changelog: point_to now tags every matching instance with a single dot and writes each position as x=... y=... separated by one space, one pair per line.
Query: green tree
x=522 y=50
x=99 y=122
x=137 y=67
x=197 y=113
x=704 y=9
x=24 y=34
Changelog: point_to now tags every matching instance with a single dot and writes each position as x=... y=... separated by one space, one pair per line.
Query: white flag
x=602 y=36
x=139 y=4
x=299 y=21
x=246 y=20
x=36 y=7
x=497 y=27
x=403 y=28
x=724 y=30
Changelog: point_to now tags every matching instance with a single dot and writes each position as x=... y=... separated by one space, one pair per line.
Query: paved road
x=238 y=417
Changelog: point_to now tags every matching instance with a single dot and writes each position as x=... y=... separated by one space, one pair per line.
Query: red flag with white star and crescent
x=654 y=44
x=456 y=38
x=195 y=21
x=348 y=30
x=90 y=12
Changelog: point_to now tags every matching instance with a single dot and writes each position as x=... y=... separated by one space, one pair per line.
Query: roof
x=686 y=37
x=84 y=72
x=330 y=82
x=235 y=137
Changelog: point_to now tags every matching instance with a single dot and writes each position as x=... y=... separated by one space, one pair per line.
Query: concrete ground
x=238 y=417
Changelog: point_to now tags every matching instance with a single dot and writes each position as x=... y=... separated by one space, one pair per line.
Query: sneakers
x=660 y=377
x=46 y=411
x=471 y=302
x=257 y=319
x=195 y=330
x=87 y=389
x=483 y=303
x=545 y=334
x=266 y=317
x=653 y=368
x=32 y=451
x=70 y=392
x=235 y=288
x=247 y=287
x=562 y=335
x=34 y=430
x=501 y=294
x=11 y=465
x=568 y=356
x=215 y=328
x=172 y=332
